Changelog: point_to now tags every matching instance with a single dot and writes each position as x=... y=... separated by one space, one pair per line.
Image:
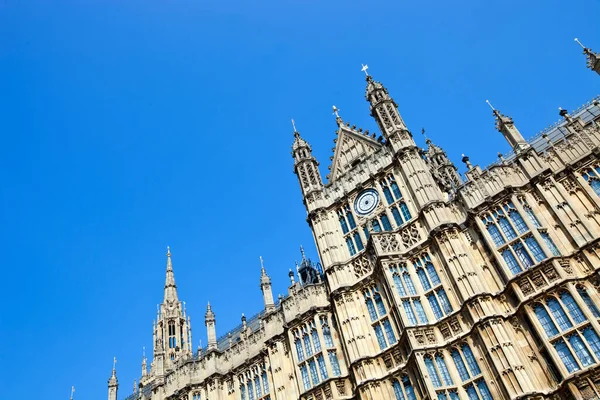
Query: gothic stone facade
x=432 y=286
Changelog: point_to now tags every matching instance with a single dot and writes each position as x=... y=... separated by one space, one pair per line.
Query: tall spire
x=593 y=59
x=170 y=286
x=211 y=331
x=113 y=383
x=306 y=166
x=506 y=126
x=385 y=111
x=265 y=287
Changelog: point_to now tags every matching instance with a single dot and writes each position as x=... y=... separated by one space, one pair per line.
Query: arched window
x=559 y=314
x=385 y=221
x=299 y=350
x=441 y=364
x=545 y=320
x=572 y=307
x=580 y=349
x=460 y=365
x=588 y=301
x=423 y=278
x=471 y=362
x=316 y=342
x=409 y=284
x=375 y=225
x=433 y=375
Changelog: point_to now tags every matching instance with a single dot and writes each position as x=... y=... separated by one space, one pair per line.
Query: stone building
x=430 y=285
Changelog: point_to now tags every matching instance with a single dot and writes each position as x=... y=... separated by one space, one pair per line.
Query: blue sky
x=128 y=126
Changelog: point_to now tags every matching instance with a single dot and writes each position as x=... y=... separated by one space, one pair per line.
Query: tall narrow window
x=553 y=249
x=471 y=362
x=593 y=341
x=559 y=314
x=358 y=241
x=545 y=320
x=335 y=365
x=580 y=350
x=591 y=176
x=322 y=367
x=397 y=216
x=441 y=364
x=588 y=301
x=433 y=375
x=460 y=365
x=572 y=307
x=386 y=223
x=316 y=342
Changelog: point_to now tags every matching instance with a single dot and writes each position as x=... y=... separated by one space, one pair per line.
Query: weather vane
x=336 y=112
x=490 y=104
x=364 y=69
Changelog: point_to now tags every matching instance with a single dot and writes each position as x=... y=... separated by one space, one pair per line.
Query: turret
x=593 y=59
x=306 y=166
x=113 y=383
x=144 y=363
x=265 y=287
x=211 y=332
x=385 y=111
x=444 y=171
x=172 y=336
x=506 y=126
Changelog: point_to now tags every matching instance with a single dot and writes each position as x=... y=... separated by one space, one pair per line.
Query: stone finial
x=465 y=160
x=565 y=114
x=291 y=275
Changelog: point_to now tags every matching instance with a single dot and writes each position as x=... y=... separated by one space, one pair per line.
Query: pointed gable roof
x=351 y=146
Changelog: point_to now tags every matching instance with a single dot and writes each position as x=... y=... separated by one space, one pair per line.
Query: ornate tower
x=306 y=167
x=419 y=178
x=265 y=287
x=444 y=171
x=172 y=336
x=506 y=126
x=593 y=59
x=113 y=383
x=211 y=332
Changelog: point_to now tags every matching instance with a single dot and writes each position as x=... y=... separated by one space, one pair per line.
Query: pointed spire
x=593 y=59
x=265 y=287
x=211 y=332
x=506 y=126
x=170 y=286
x=144 y=362
x=338 y=119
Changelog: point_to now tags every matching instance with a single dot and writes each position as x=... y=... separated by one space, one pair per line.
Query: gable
x=351 y=147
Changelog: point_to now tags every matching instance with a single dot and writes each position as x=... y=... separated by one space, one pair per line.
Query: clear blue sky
x=131 y=125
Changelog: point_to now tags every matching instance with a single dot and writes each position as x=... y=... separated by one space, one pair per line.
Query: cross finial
x=336 y=112
x=581 y=44
x=364 y=69
x=294 y=125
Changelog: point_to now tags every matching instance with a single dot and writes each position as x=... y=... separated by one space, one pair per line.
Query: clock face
x=366 y=201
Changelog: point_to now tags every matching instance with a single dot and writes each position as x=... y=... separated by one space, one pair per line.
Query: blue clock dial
x=366 y=202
